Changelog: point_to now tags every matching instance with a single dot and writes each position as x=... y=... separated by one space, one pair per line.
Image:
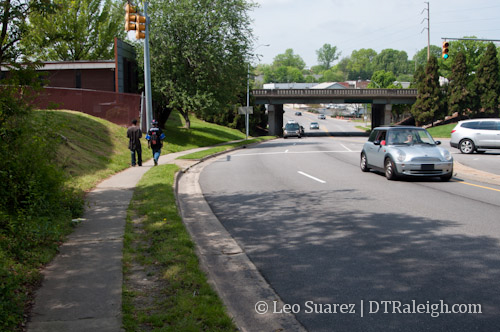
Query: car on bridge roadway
x=406 y=151
x=314 y=125
x=322 y=117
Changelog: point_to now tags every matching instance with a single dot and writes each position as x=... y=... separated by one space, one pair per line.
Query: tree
x=14 y=18
x=420 y=58
x=332 y=75
x=199 y=52
x=327 y=55
x=383 y=79
x=429 y=100
x=289 y=59
x=473 y=51
x=459 y=93
x=359 y=65
x=77 y=30
x=487 y=81
x=393 y=61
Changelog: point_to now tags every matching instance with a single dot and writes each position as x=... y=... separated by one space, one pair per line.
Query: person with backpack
x=155 y=139
x=134 y=135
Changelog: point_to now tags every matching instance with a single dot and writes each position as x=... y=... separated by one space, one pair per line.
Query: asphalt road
x=351 y=251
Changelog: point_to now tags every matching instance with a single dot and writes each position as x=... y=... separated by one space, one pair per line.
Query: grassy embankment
x=91 y=149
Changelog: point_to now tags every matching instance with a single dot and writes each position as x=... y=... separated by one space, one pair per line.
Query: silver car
x=405 y=151
x=476 y=135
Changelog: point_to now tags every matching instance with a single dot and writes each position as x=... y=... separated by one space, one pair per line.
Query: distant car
x=292 y=130
x=314 y=125
x=476 y=135
x=321 y=117
x=406 y=151
x=292 y=121
x=298 y=113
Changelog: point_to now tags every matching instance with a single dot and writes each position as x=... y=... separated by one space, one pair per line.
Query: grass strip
x=164 y=288
x=225 y=147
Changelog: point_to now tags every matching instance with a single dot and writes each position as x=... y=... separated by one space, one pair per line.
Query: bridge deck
x=313 y=96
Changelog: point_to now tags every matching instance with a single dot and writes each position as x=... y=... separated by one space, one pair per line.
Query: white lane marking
x=345 y=147
x=286 y=151
x=311 y=177
x=290 y=152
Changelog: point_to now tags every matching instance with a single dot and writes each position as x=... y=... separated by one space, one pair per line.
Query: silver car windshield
x=409 y=137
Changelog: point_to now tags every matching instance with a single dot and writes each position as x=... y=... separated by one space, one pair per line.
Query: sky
x=306 y=25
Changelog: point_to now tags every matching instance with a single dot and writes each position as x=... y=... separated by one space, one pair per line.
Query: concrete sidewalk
x=82 y=286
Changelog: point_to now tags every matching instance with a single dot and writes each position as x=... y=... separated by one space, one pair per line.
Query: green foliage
x=332 y=75
x=181 y=299
x=198 y=54
x=289 y=59
x=420 y=58
x=459 y=90
x=77 y=30
x=35 y=206
x=392 y=61
x=384 y=80
x=429 y=103
x=487 y=81
x=359 y=65
x=327 y=54
x=473 y=51
x=14 y=16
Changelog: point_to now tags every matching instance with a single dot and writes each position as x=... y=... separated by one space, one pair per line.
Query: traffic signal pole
x=139 y=23
x=147 y=71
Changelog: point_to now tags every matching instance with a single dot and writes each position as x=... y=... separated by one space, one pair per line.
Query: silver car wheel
x=467 y=146
x=390 y=170
x=364 y=163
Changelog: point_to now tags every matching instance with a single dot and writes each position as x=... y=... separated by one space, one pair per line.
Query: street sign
x=244 y=109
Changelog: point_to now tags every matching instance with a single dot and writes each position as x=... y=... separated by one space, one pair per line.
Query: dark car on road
x=292 y=130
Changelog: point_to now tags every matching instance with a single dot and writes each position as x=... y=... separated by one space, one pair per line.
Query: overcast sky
x=306 y=25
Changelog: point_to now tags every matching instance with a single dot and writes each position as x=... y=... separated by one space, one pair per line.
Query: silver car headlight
x=446 y=154
x=400 y=155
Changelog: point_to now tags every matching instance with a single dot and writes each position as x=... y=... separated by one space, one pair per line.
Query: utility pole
x=428 y=30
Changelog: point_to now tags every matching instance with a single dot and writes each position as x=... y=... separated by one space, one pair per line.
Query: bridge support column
x=381 y=115
x=275 y=119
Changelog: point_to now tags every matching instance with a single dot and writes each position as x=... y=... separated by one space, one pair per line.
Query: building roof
x=59 y=65
x=329 y=85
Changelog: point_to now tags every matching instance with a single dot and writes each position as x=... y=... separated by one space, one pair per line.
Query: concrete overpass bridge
x=381 y=100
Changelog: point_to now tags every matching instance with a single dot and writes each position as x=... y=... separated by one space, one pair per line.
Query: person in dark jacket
x=155 y=139
x=134 y=135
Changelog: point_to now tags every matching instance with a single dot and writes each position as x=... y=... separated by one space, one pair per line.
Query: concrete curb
x=230 y=272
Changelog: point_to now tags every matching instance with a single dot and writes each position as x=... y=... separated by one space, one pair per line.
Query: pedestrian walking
x=134 y=135
x=155 y=139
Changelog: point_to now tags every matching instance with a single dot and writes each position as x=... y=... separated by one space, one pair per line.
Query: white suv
x=477 y=134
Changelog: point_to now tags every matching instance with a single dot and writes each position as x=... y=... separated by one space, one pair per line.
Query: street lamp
x=248 y=91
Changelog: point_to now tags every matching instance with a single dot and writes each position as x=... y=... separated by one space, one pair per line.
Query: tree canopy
x=77 y=30
x=199 y=55
x=327 y=55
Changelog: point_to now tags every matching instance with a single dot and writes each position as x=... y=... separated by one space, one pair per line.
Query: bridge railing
x=335 y=92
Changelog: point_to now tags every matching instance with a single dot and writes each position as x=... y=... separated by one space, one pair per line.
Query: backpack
x=155 y=139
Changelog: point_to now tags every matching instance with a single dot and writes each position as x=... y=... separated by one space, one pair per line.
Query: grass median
x=164 y=287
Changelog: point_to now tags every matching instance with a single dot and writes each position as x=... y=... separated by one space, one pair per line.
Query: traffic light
x=445 y=54
x=130 y=17
x=134 y=21
x=140 y=27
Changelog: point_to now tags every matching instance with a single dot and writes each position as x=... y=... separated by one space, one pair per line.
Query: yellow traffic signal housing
x=140 y=27
x=445 y=50
x=130 y=17
x=134 y=21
